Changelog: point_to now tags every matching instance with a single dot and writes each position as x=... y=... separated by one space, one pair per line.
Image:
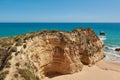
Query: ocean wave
x=102 y=38
x=114 y=54
x=111 y=54
x=111 y=47
x=112 y=58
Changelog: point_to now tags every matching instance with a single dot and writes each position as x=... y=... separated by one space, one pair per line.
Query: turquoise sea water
x=112 y=31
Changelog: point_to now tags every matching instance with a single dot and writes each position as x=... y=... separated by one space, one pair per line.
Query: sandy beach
x=101 y=71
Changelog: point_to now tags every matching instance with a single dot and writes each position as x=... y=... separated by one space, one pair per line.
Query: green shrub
x=8 y=65
x=27 y=75
x=6 y=44
x=14 y=49
x=24 y=46
x=32 y=32
x=17 y=64
x=53 y=31
x=43 y=31
x=17 y=53
x=16 y=75
x=3 y=75
x=18 y=44
x=17 y=39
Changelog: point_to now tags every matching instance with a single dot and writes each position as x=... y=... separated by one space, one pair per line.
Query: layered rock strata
x=52 y=52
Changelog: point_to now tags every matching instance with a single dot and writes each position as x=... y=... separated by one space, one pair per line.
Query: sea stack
x=39 y=54
x=102 y=33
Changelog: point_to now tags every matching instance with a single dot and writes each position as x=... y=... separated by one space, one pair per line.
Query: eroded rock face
x=59 y=52
x=55 y=54
x=64 y=52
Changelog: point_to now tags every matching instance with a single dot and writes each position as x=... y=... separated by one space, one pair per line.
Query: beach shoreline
x=103 y=70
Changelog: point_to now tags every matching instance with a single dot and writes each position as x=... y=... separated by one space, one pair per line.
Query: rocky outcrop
x=52 y=52
x=117 y=49
x=102 y=33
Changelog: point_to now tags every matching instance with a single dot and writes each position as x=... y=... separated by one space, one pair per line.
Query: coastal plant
x=24 y=46
x=27 y=75
x=43 y=31
x=17 y=53
x=8 y=65
x=14 y=49
x=16 y=75
x=32 y=32
x=6 y=44
x=3 y=75
x=17 y=64
x=18 y=44
x=53 y=31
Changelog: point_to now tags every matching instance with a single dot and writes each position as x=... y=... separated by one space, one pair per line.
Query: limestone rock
x=61 y=52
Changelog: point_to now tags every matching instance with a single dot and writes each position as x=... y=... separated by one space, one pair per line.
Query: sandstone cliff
x=49 y=52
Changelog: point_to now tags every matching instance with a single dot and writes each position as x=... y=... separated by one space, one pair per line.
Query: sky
x=59 y=10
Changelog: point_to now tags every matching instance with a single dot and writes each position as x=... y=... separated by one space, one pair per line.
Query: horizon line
x=59 y=22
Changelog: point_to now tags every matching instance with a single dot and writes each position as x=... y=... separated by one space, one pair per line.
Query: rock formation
x=50 y=52
x=117 y=49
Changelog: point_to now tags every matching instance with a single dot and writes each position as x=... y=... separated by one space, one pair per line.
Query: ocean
x=112 y=32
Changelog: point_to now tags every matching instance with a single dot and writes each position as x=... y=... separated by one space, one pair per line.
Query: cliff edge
x=38 y=54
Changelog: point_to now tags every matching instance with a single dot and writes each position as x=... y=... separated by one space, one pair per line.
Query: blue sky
x=59 y=10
